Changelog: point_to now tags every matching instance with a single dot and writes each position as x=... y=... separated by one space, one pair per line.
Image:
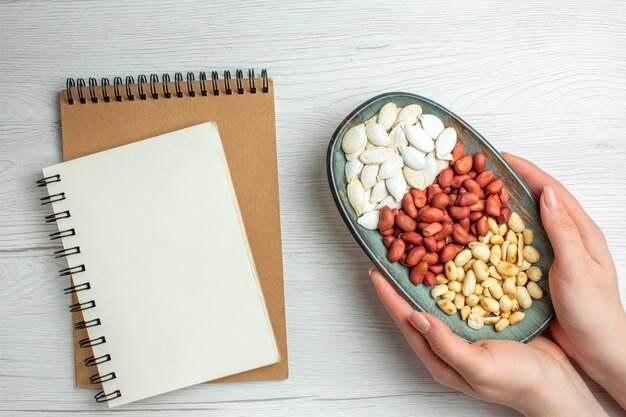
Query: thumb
x=449 y=347
x=561 y=228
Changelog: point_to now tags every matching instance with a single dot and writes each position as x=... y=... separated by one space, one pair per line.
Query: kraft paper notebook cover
x=113 y=114
x=166 y=304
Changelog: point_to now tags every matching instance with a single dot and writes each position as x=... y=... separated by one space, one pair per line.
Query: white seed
x=376 y=134
x=353 y=169
x=463 y=257
x=523 y=297
x=472 y=300
x=447 y=157
x=354 y=139
x=387 y=115
x=369 y=206
x=447 y=306
x=445 y=142
x=505 y=303
x=465 y=312
x=531 y=254
x=521 y=278
x=431 y=124
x=415 y=179
x=354 y=155
x=534 y=290
x=409 y=114
x=516 y=317
x=501 y=325
x=481 y=270
x=469 y=283
x=390 y=167
x=475 y=321
x=397 y=138
x=507 y=268
x=516 y=223
x=440 y=165
x=369 y=220
x=534 y=273
x=413 y=158
x=376 y=155
x=379 y=192
x=454 y=286
x=368 y=176
x=480 y=251
x=509 y=288
x=438 y=290
x=356 y=195
x=419 y=138
x=450 y=270
x=529 y=236
x=430 y=168
x=495 y=254
x=396 y=186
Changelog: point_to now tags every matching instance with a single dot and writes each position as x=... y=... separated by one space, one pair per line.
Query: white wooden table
x=544 y=81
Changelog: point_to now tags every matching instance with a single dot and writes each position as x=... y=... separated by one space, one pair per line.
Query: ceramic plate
x=521 y=201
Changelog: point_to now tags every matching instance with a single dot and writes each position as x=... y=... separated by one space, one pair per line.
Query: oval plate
x=521 y=201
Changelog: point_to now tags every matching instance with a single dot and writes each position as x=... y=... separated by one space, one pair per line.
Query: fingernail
x=419 y=322
x=551 y=196
x=371 y=270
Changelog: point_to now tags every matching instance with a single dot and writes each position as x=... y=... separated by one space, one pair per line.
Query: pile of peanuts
x=460 y=236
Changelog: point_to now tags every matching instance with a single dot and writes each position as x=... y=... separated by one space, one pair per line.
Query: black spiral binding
x=95 y=379
x=130 y=87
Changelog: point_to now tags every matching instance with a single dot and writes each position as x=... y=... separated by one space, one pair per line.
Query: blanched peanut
x=493 y=225
x=511 y=237
x=442 y=279
x=469 y=283
x=514 y=304
x=516 y=317
x=468 y=265
x=460 y=274
x=490 y=304
x=495 y=254
x=505 y=314
x=450 y=270
x=493 y=272
x=523 y=297
x=465 y=312
x=496 y=291
x=529 y=236
x=481 y=270
x=521 y=278
x=507 y=268
x=459 y=301
x=478 y=289
x=480 y=311
x=511 y=253
x=496 y=240
x=471 y=300
x=503 y=248
x=475 y=321
x=502 y=229
x=501 y=325
x=534 y=273
x=509 y=288
x=462 y=257
x=491 y=319
x=480 y=251
x=449 y=295
x=454 y=286
x=534 y=290
x=505 y=303
x=525 y=265
x=531 y=254
x=438 y=290
x=489 y=282
x=446 y=306
x=516 y=223
x=486 y=293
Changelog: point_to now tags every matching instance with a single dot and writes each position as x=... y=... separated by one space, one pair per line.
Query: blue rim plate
x=521 y=201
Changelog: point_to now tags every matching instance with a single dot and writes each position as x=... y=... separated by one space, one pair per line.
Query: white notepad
x=167 y=261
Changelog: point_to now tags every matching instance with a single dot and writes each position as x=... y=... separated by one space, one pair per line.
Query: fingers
x=592 y=236
x=400 y=310
x=449 y=347
x=562 y=231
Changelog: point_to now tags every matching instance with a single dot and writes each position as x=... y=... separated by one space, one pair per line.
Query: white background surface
x=544 y=81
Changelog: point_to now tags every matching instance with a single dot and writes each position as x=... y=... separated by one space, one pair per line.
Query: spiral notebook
x=97 y=116
x=160 y=265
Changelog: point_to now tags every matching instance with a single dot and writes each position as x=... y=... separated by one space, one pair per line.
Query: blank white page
x=168 y=262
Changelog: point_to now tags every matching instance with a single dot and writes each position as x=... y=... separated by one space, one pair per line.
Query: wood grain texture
x=545 y=81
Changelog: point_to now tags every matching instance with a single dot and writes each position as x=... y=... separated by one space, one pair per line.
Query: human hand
x=591 y=325
x=521 y=376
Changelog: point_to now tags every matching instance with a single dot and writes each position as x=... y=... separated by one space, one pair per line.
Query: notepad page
x=168 y=263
